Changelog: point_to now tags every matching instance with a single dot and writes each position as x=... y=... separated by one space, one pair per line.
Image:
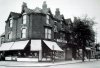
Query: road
x=94 y=64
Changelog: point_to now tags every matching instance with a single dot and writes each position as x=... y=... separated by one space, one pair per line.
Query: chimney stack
x=24 y=5
x=44 y=6
x=57 y=12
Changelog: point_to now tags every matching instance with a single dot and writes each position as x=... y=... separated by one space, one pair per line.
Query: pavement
x=39 y=64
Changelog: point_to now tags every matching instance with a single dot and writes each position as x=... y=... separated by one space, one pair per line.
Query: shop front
x=30 y=50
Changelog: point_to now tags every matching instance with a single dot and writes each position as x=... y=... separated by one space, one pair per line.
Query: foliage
x=83 y=32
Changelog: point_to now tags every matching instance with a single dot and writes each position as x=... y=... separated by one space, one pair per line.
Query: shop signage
x=63 y=41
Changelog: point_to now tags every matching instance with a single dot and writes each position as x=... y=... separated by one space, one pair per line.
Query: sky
x=69 y=8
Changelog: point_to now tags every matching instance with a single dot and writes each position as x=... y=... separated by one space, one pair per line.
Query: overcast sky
x=69 y=8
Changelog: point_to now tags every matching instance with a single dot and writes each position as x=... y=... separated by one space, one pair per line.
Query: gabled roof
x=68 y=21
x=14 y=15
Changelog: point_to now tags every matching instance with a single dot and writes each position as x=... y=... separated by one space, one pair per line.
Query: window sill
x=22 y=38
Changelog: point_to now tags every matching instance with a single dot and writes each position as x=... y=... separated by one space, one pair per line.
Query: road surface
x=93 y=64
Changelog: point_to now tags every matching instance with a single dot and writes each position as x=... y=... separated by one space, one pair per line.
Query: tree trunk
x=83 y=52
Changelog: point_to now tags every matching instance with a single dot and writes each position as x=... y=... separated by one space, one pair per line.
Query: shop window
x=47 y=33
x=23 y=33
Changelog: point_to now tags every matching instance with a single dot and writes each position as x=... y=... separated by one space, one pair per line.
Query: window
x=55 y=28
x=2 y=40
x=11 y=22
x=23 y=33
x=47 y=19
x=47 y=33
x=61 y=24
x=24 y=19
x=55 y=35
x=10 y=35
x=62 y=36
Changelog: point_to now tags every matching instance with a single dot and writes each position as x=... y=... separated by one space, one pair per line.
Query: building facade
x=36 y=34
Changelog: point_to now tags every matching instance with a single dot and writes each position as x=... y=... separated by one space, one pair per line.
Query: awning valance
x=19 y=45
x=6 y=46
x=52 y=45
x=36 y=45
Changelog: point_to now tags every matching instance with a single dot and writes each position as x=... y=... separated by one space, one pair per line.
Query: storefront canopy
x=19 y=45
x=6 y=46
x=36 y=45
x=52 y=45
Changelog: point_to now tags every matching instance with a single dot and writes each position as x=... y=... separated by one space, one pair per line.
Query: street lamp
x=53 y=54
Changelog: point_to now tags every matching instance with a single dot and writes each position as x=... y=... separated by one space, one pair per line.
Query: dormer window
x=11 y=22
x=47 y=19
x=24 y=19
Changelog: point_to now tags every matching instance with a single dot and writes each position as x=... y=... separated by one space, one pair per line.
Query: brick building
x=35 y=34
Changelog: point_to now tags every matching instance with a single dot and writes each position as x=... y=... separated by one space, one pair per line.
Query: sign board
x=63 y=41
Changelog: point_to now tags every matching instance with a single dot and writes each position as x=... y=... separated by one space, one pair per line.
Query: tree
x=83 y=33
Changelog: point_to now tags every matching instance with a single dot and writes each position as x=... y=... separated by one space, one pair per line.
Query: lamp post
x=53 y=54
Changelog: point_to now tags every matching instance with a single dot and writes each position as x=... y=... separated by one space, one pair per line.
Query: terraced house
x=35 y=35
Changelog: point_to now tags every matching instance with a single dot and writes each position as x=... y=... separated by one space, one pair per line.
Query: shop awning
x=6 y=46
x=19 y=45
x=52 y=45
x=36 y=45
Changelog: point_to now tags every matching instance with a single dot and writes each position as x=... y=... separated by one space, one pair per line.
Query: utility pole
x=97 y=46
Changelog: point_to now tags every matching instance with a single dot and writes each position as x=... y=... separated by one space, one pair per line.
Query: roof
x=68 y=21
x=14 y=15
x=3 y=34
x=43 y=10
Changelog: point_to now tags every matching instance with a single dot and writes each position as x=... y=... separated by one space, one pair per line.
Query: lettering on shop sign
x=63 y=41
